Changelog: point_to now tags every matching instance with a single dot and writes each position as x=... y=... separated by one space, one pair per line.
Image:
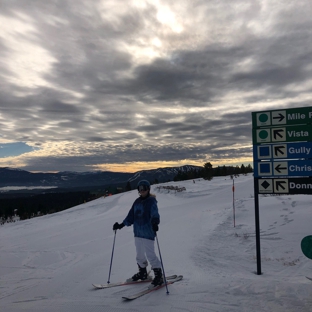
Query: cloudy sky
x=126 y=85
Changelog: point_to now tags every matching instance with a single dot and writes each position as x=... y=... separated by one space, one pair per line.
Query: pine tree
x=128 y=186
x=208 y=171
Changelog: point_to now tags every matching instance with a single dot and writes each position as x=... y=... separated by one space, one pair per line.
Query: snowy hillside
x=49 y=263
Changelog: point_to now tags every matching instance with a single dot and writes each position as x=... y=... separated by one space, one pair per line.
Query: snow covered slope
x=49 y=263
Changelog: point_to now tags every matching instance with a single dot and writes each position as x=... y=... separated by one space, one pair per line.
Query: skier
x=145 y=219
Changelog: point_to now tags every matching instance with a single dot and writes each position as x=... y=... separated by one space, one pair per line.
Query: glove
x=155 y=227
x=118 y=226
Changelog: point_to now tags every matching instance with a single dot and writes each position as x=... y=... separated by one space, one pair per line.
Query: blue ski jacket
x=143 y=213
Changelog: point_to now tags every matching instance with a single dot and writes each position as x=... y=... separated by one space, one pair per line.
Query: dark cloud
x=122 y=77
x=146 y=153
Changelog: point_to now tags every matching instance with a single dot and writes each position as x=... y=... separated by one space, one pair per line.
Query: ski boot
x=141 y=275
x=158 y=279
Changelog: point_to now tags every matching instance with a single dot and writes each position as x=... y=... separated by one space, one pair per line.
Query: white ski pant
x=145 y=251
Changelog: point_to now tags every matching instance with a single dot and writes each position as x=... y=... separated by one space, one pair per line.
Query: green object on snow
x=306 y=246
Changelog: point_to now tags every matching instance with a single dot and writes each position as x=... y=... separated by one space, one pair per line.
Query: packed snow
x=49 y=263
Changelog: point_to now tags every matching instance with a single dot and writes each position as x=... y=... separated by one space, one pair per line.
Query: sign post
x=282 y=156
x=257 y=223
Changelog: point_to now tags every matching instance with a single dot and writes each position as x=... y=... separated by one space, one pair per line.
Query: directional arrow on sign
x=279 y=184
x=278 y=150
x=280 y=117
x=278 y=168
x=277 y=133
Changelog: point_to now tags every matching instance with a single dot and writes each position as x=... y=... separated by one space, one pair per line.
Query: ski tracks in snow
x=27 y=270
x=218 y=273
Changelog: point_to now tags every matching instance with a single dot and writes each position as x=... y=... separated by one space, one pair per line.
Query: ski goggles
x=143 y=188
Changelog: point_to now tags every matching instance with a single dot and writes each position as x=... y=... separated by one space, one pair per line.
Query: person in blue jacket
x=144 y=217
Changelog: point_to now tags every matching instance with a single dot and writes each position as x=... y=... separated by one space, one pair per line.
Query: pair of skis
x=170 y=280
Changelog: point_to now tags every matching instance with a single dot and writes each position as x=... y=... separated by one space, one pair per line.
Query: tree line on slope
x=208 y=172
x=29 y=206
x=37 y=205
x=21 y=206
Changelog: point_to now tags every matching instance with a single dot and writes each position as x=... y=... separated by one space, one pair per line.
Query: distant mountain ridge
x=66 y=179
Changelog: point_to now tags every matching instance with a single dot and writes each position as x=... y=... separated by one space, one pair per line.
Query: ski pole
x=111 y=262
x=162 y=265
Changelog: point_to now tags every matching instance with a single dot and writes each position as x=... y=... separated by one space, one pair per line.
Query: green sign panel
x=282 y=134
x=283 y=117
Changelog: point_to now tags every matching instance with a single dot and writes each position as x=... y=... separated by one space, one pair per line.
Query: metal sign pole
x=257 y=220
